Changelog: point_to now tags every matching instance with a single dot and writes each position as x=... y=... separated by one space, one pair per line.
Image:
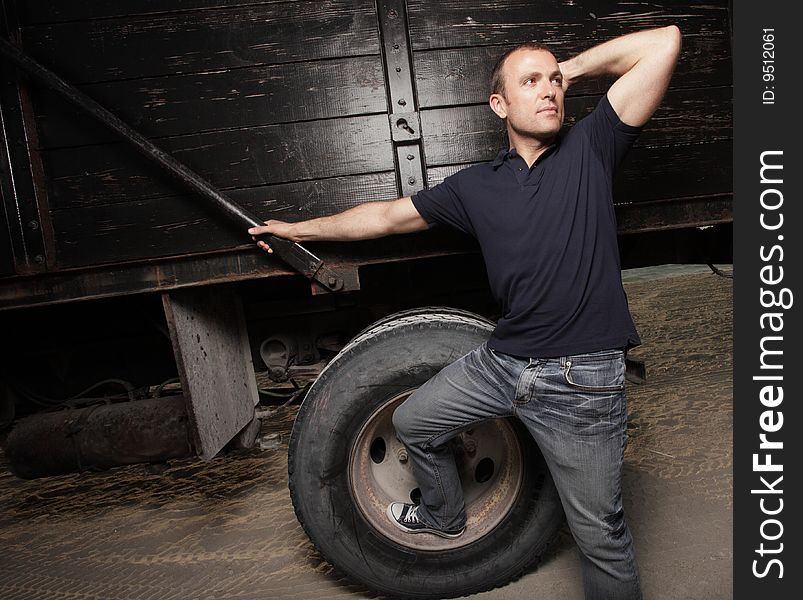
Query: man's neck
x=528 y=148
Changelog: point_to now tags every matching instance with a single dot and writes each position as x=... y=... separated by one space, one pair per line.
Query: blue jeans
x=574 y=407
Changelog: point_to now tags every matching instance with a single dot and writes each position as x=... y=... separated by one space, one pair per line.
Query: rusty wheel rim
x=489 y=461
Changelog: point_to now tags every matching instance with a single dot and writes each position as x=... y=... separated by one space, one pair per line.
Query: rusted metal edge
x=134 y=278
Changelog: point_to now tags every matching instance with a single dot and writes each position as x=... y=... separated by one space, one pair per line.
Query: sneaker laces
x=412 y=516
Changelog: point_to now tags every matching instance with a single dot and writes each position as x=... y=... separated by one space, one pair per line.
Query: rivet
x=402 y=102
x=39 y=259
x=32 y=224
x=398 y=69
x=411 y=181
x=410 y=157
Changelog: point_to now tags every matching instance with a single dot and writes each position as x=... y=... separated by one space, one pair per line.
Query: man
x=543 y=215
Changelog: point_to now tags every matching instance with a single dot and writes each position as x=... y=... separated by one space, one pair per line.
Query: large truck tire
x=346 y=465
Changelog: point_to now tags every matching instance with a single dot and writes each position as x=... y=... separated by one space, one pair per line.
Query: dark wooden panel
x=180 y=104
x=675 y=171
x=657 y=173
x=475 y=133
x=564 y=24
x=188 y=42
x=56 y=11
x=450 y=77
x=674 y=213
x=155 y=227
x=112 y=173
x=690 y=117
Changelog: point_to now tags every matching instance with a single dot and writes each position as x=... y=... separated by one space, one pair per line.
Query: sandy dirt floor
x=226 y=528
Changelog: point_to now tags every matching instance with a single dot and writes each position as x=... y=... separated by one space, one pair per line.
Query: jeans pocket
x=604 y=373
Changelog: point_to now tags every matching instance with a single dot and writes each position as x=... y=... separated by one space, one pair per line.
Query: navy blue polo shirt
x=548 y=237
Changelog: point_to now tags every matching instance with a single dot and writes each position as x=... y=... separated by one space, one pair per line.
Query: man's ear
x=498 y=105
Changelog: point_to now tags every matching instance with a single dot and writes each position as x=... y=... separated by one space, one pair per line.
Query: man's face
x=533 y=100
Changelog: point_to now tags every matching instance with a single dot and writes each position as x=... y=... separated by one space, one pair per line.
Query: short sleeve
x=442 y=205
x=610 y=137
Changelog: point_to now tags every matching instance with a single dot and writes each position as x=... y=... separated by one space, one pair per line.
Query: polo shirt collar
x=500 y=158
x=505 y=154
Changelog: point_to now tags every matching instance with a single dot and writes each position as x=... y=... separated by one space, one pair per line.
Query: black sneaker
x=405 y=516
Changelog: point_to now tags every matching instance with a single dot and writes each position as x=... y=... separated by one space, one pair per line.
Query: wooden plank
x=449 y=77
x=55 y=11
x=674 y=213
x=675 y=171
x=182 y=104
x=213 y=356
x=474 y=133
x=112 y=173
x=657 y=173
x=565 y=25
x=157 y=227
x=198 y=41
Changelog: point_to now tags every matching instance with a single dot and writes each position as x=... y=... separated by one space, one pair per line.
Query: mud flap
x=210 y=343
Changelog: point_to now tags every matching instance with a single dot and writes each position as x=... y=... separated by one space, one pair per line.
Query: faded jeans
x=574 y=407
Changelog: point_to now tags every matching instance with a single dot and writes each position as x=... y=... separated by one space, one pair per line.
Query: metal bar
x=403 y=117
x=292 y=253
x=408 y=157
x=397 y=55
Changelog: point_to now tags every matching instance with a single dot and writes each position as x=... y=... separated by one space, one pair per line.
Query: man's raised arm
x=644 y=62
x=363 y=222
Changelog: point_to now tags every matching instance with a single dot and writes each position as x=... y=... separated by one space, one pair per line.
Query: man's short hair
x=497 y=77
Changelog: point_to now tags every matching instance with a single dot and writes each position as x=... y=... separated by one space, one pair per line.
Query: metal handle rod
x=292 y=253
x=146 y=147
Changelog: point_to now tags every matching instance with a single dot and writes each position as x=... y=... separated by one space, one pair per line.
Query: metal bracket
x=403 y=118
x=405 y=127
x=410 y=164
x=396 y=54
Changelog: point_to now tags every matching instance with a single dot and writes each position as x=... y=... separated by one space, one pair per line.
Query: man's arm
x=643 y=61
x=363 y=222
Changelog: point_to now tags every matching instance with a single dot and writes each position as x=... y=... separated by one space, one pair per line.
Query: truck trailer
x=141 y=323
